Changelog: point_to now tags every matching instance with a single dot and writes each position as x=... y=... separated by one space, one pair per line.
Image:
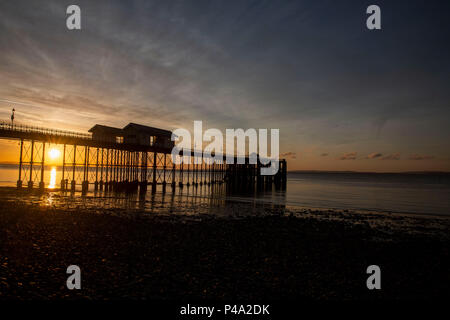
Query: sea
x=409 y=193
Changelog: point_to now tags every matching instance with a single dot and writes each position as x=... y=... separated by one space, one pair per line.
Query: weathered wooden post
x=144 y=159
x=126 y=164
x=101 y=171
x=19 y=182
x=188 y=170
x=63 y=181
x=201 y=170
x=30 y=182
x=73 y=183
x=123 y=170
x=196 y=170
x=96 y=172
x=107 y=171
x=41 y=183
x=111 y=169
x=180 y=183
x=210 y=170
x=116 y=168
x=173 y=175
x=223 y=169
x=164 y=173
x=132 y=159
x=154 y=173
x=136 y=166
x=85 y=183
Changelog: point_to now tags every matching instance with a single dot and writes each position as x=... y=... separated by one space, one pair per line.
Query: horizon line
x=305 y=171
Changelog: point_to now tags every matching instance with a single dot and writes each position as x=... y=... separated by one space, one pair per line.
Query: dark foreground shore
x=317 y=255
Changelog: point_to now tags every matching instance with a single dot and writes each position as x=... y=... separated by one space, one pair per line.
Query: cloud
x=348 y=156
x=374 y=155
x=392 y=156
x=420 y=157
x=289 y=155
x=231 y=64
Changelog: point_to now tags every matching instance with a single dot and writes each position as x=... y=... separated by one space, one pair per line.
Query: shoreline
x=291 y=209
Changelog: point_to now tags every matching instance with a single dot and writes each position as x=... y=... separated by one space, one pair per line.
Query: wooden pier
x=117 y=166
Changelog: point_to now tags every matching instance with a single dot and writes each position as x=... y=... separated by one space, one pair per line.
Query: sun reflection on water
x=52 y=184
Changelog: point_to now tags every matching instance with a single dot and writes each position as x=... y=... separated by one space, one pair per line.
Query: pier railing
x=53 y=132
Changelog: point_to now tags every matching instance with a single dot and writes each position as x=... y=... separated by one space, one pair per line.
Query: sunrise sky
x=343 y=97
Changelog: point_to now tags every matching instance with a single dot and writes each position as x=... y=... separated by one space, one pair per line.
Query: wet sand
x=279 y=254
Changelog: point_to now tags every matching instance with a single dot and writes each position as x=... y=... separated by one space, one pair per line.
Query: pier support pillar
x=143 y=186
x=63 y=181
x=154 y=173
x=19 y=181
x=188 y=172
x=41 y=184
x=84 y=186
x=30 y=183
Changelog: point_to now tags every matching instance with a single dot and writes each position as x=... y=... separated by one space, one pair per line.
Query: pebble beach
x=288 y=254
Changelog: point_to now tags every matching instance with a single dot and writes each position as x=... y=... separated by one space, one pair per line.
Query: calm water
x=405 y=193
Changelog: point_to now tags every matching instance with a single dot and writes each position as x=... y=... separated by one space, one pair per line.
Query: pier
x=123 y=163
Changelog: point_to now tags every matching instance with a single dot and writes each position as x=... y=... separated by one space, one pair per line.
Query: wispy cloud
x=289 y=155
x=374 y=155
x=348 y=156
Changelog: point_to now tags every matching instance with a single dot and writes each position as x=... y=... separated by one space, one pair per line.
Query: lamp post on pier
x=12 y=116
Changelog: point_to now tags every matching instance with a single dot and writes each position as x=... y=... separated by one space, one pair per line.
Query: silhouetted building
x=133 y=133
x=106 y=134
x=147 y=136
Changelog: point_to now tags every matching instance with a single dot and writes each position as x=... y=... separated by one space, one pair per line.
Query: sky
x=344 y=97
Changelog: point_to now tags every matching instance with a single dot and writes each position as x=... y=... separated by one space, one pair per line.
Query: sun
x=54 y=153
